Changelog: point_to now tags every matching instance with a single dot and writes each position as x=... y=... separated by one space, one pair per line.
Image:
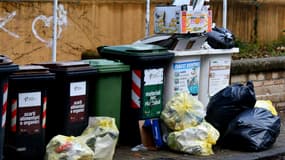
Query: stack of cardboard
x=183 y=17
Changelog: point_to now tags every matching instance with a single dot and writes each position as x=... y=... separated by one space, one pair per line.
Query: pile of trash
x=233 y=119
x=97 y=142
x=190 y=133
x=244 y=123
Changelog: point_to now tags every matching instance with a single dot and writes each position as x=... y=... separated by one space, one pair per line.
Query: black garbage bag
x=221 y=38
x=225 y=105
x=255 y=129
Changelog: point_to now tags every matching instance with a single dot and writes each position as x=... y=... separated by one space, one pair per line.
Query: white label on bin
x=186 y=77
x=78 y=88
x=219 y=74
x=29 y=112
x=153 y=76
x=29 y=99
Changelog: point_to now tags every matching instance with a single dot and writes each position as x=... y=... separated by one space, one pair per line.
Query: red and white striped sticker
x=13 y=115
x=4 y=107
x=44 y=113
x=136 y=88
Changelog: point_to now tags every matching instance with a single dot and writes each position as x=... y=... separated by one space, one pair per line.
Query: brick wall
x=268 y=76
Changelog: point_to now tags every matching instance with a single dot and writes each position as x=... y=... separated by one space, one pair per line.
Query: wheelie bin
x=69 y=98
x=107 y=89
x=26 y=115
x=6 y=68
x=146 y=83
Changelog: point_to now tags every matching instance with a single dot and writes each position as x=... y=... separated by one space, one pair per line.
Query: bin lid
x=32 y=69
x=69 y=67
x=136 y=49
x=6 y=65
x=137 y=54
x=107 y=66
x=32 y=72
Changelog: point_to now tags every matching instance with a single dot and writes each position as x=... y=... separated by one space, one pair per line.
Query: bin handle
x=99 y=49
x=5 y=60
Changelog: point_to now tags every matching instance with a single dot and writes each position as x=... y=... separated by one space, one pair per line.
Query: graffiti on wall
x=5 y=20
x=48 y=21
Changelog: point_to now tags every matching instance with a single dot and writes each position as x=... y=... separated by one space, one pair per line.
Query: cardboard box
x=150 y=132
x=182 y=19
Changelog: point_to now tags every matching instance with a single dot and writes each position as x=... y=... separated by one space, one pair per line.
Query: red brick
x=268 y=82
x=261 y=76
x=279 y=81
x=258 y=83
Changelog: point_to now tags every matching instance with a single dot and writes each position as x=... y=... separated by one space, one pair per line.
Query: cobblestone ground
x=277 y=152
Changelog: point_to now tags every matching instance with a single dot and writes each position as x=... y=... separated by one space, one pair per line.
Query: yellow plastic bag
x=68 y=148
x=97 y=142
x=101 y=136
x=183 y=111
x=196 y=140
x=266 y=104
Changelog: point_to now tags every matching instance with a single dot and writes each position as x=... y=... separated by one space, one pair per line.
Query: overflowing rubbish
x=255 y=129
x=266 y=104
x=183 y=111
x=191 y=134
x=97 y=142
x=245 y=124
x=196 y=140
x=228 y=103
x=196 y=18
x=63 y=147
x=221 y=38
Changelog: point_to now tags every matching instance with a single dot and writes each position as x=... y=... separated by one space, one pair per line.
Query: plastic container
x=6 y=68
x=26 y=118
x=107 y=89
x=68 y=98
x=200 y=72
x=144 y=91
x=147 y=73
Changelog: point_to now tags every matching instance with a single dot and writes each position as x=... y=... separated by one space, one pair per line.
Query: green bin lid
x=107 y=66
x=138 y=55
x=137 y=49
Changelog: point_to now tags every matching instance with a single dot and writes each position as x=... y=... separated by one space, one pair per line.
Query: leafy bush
x=256 y=50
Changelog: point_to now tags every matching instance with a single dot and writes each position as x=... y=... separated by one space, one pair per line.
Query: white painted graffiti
x=61 y=21
x=5 y=20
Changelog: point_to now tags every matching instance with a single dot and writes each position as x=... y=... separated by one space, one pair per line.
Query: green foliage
x=256 y=50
